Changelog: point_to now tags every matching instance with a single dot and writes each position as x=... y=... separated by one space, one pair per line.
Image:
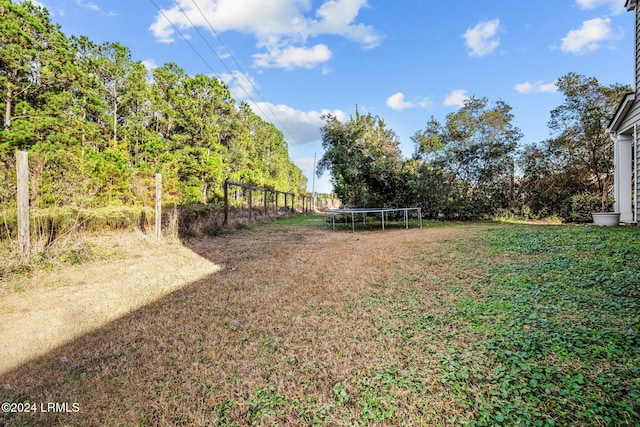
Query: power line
x=184 y=38
x=175 y=27
x=255 y=89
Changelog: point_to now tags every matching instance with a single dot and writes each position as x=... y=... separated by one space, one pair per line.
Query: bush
x=579 y=208
x=197 y=219
x=49 y=223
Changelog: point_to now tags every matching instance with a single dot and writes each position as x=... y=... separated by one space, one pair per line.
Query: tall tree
x=474 y=152
x=87 y=104
x=32 y=71
x=578 y=159
x=206 y=100
x=364 y=158
x=120 y=77
x=581 y=123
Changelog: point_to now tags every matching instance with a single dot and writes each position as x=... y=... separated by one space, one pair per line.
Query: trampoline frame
x=330 y=215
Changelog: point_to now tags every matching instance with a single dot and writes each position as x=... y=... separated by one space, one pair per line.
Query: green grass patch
x=560 y=329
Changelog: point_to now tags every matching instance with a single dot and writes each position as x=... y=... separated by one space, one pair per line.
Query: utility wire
x=268 y=105
x=175 y=27
x=255 y=89
x=184 y=38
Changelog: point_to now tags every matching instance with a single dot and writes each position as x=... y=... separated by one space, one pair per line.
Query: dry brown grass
x=58 y=301
x=289 y=331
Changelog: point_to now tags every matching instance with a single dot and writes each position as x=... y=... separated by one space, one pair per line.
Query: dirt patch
x=288 y=329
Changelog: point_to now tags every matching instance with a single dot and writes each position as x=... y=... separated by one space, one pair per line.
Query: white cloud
x=616 y=6
x=293 y=57
x=481 y=39
x=149 y=64
x=588 y=37
x=337 y=16
x=302 y=127
x=91 y=6
x=282 y=27
x=537 y=87
x=397 y=102
x=241 y=85
x=425 y=103
x=456 y=98
x=94 y=7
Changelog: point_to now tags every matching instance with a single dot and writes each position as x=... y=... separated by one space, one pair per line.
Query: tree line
x=473 y=166
x=99 y=125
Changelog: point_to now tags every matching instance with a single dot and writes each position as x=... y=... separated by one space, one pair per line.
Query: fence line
x=305 y=201
x=271 y=202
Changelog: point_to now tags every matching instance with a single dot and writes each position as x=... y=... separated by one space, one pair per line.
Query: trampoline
x=330 y=215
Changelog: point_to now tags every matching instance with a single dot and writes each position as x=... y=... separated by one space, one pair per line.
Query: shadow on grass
x=303 y=325
x=269 y=338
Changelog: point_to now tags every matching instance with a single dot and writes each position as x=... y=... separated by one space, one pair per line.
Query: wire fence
x=31 y=229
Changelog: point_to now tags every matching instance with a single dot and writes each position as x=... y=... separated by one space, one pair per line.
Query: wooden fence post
x=226 y=202
x=22 y=170
x=265 y=202
x=250 y=206
x=158 y=205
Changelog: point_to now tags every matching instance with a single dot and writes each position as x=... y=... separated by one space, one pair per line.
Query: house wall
x=632 y=117
x=636 y=177
x=637 y=52
x=622 y=183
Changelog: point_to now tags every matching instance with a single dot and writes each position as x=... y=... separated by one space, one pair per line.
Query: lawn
x=458 y=324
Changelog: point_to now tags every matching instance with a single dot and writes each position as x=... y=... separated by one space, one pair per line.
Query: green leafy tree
x=578 y=160
x=34 y=74
x=97 y=128
x=121 y=80
x=472 y=156
x=87 y=103
x=206 y=101
x=364 y=159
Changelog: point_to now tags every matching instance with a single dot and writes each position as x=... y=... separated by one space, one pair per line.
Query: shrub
x=197 y=219
x=579 y=208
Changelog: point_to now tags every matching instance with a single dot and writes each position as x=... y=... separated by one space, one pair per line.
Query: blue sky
x=405 y=61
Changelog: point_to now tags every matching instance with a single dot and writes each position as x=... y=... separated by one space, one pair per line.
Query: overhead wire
x=255 y=89
x=175 y=27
